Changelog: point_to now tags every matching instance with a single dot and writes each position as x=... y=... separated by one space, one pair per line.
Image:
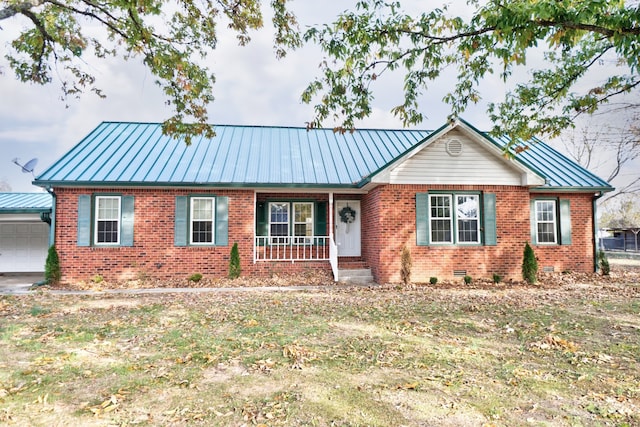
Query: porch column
x=331 y=216
x=255 y=219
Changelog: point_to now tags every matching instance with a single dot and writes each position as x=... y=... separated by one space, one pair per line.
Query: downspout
x=51 y=220
x=52 y=224
x=595 y=230
x=255 y=225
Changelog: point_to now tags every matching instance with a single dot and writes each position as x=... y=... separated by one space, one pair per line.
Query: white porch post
x=255 y=218
x=331 y=216
x=333 y=249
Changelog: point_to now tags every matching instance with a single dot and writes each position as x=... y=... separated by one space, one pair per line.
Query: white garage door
x=23 y=246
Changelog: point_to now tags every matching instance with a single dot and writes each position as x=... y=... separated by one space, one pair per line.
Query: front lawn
x=565 y=355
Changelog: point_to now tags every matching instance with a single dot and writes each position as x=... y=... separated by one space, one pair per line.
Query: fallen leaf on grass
x=408 y=386
x=298 y=355
x=251 y=323
x=553 y=342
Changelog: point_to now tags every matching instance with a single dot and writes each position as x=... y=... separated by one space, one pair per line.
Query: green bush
x=433 y=280
x=52 y=272
x=234 y=262
x=603 y=262
x=529 y=265
x=497 y=278
x=97 y=279
x=467 y=279
x=405 y=265
x=195 y=277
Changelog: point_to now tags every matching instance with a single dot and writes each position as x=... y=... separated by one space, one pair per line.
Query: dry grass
x=563 y=354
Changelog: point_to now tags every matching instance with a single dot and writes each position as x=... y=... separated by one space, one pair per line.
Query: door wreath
x=347 y=215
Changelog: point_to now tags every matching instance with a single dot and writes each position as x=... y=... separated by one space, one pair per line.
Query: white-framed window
x=107 y=220
x=546 y=221
x=291 y=220
x=279 y=222
x=454 y=218
x=468 y=217
x=441 y=218
x=302 y=222
x=202 y=214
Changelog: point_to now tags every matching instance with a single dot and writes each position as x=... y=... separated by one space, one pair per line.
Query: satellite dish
x=27 y=167
x=30 y=166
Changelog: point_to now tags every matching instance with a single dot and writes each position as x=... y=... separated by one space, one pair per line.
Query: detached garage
x=24 y=231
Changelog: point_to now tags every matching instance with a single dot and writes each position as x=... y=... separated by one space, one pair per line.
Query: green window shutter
x=320 y=226
x=489 y=219
x=262 y=223
x=534 y=230
x=180 y=222
x=222 y=221
x=422 y=219
x=565 y=222
x=126 y=228
x=84 y=220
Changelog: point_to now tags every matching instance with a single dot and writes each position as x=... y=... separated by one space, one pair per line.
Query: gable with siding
x=459 y=155
x=456 y=158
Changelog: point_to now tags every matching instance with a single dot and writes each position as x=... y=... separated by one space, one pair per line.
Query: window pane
x=107 y=232
x=302 y=230
x=279 y=212
x=202 y=219
x=440 y=207
x=107 y=219
x=302 y=221
x=441 y=221
x=440 y=231
x=108 y=208
x=202 y=209
x=303 y=212
x=202 y=232
x=546 y=221
x=279 y=230
x=546 y=233
x=467 y=209
x=546 y=211
x=468 y=231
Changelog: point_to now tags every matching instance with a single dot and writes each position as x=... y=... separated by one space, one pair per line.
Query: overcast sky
x=252 y=88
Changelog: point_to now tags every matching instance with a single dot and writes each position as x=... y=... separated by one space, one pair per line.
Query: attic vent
x=454 y=147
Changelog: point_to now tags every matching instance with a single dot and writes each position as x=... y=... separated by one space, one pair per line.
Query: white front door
x=347 y=223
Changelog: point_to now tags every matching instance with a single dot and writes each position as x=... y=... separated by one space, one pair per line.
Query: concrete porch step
x=357 y=275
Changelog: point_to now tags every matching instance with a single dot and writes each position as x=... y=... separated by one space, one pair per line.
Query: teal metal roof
x=559 y=170
x=138 y=153
x=25 y=202
x=117 y=154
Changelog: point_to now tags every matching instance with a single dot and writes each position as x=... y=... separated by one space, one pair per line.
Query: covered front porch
x=296 y=227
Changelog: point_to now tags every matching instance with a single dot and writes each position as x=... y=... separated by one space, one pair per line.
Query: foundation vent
x=548 y=269
x=459 y=273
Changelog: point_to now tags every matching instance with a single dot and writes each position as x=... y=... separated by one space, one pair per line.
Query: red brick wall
x=154 y=254
x=390 y=212
x=388 y=223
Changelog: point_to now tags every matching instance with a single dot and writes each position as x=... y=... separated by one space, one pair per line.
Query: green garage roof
x=125 y=154
x=25 y=202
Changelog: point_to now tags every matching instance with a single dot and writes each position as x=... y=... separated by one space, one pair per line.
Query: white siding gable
x=456 y=158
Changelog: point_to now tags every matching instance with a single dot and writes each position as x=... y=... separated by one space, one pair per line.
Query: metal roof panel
x=26 y=202
x=139 y=154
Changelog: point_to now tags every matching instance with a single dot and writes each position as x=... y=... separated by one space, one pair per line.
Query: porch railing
x=309 y=248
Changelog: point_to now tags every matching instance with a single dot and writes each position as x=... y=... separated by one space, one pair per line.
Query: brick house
x=131 y=201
